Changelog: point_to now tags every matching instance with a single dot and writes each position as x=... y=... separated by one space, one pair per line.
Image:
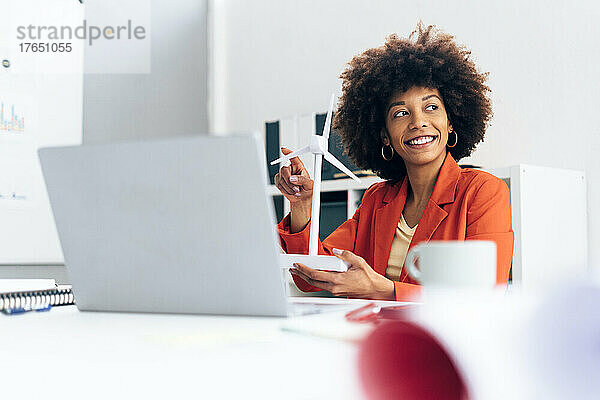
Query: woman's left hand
x=360 y=281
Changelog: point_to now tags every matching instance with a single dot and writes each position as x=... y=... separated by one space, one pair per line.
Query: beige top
x=402 y=238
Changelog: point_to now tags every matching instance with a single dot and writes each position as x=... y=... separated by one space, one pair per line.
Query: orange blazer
x=465 y=204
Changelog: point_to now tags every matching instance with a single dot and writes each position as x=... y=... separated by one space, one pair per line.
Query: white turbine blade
x=291 y=155
x=329 y=157
x=327 y=126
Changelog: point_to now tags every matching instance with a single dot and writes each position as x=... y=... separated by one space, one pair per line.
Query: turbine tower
x=319 y=147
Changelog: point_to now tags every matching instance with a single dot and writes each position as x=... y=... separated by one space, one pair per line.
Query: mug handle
x=411 y=268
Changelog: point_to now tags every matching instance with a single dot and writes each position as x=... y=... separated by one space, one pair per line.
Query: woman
x=408 y=110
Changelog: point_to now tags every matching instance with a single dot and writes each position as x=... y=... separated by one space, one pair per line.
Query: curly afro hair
x=428 y=58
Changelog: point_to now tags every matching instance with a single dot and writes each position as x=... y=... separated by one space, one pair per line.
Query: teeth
x=422 y=140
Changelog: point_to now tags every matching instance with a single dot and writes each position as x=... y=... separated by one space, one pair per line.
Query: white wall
x=170 y=100
x=274 y=58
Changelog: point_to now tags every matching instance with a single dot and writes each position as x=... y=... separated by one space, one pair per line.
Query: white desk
x=66 y=354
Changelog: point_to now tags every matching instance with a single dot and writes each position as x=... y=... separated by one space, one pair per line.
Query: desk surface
x=66 y=353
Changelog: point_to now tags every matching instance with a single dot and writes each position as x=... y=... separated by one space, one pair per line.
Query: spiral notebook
x=35 y=294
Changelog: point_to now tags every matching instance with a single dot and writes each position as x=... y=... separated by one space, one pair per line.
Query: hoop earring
x=456 y=141
x=383 y=152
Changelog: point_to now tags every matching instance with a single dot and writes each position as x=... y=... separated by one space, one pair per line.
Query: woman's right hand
x=294 y=182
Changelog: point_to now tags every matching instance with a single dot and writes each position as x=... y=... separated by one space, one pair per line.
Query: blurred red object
x=373 y=312
x=401 y=360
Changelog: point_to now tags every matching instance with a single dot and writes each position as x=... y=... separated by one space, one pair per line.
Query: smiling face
x=417 y=126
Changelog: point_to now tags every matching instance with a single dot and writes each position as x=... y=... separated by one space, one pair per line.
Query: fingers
x=323 y=276
x=283 y=184
x=303 y=181
x=290 y=184
x=321 y=285
x=296 y=163
x=321 y=279
x=349 y=257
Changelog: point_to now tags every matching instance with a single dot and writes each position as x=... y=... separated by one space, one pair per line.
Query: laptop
x=172 y=226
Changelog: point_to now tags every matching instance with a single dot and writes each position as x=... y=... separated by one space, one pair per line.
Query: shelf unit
x=549 y=218
x=354 y=189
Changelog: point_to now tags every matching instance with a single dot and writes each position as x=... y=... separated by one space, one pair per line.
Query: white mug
x=453 y=264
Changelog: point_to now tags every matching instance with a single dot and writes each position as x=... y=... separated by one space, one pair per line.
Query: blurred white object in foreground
x=543 y=345
x=522 y=346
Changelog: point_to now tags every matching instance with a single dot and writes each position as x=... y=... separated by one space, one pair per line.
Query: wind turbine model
x=319 y=147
